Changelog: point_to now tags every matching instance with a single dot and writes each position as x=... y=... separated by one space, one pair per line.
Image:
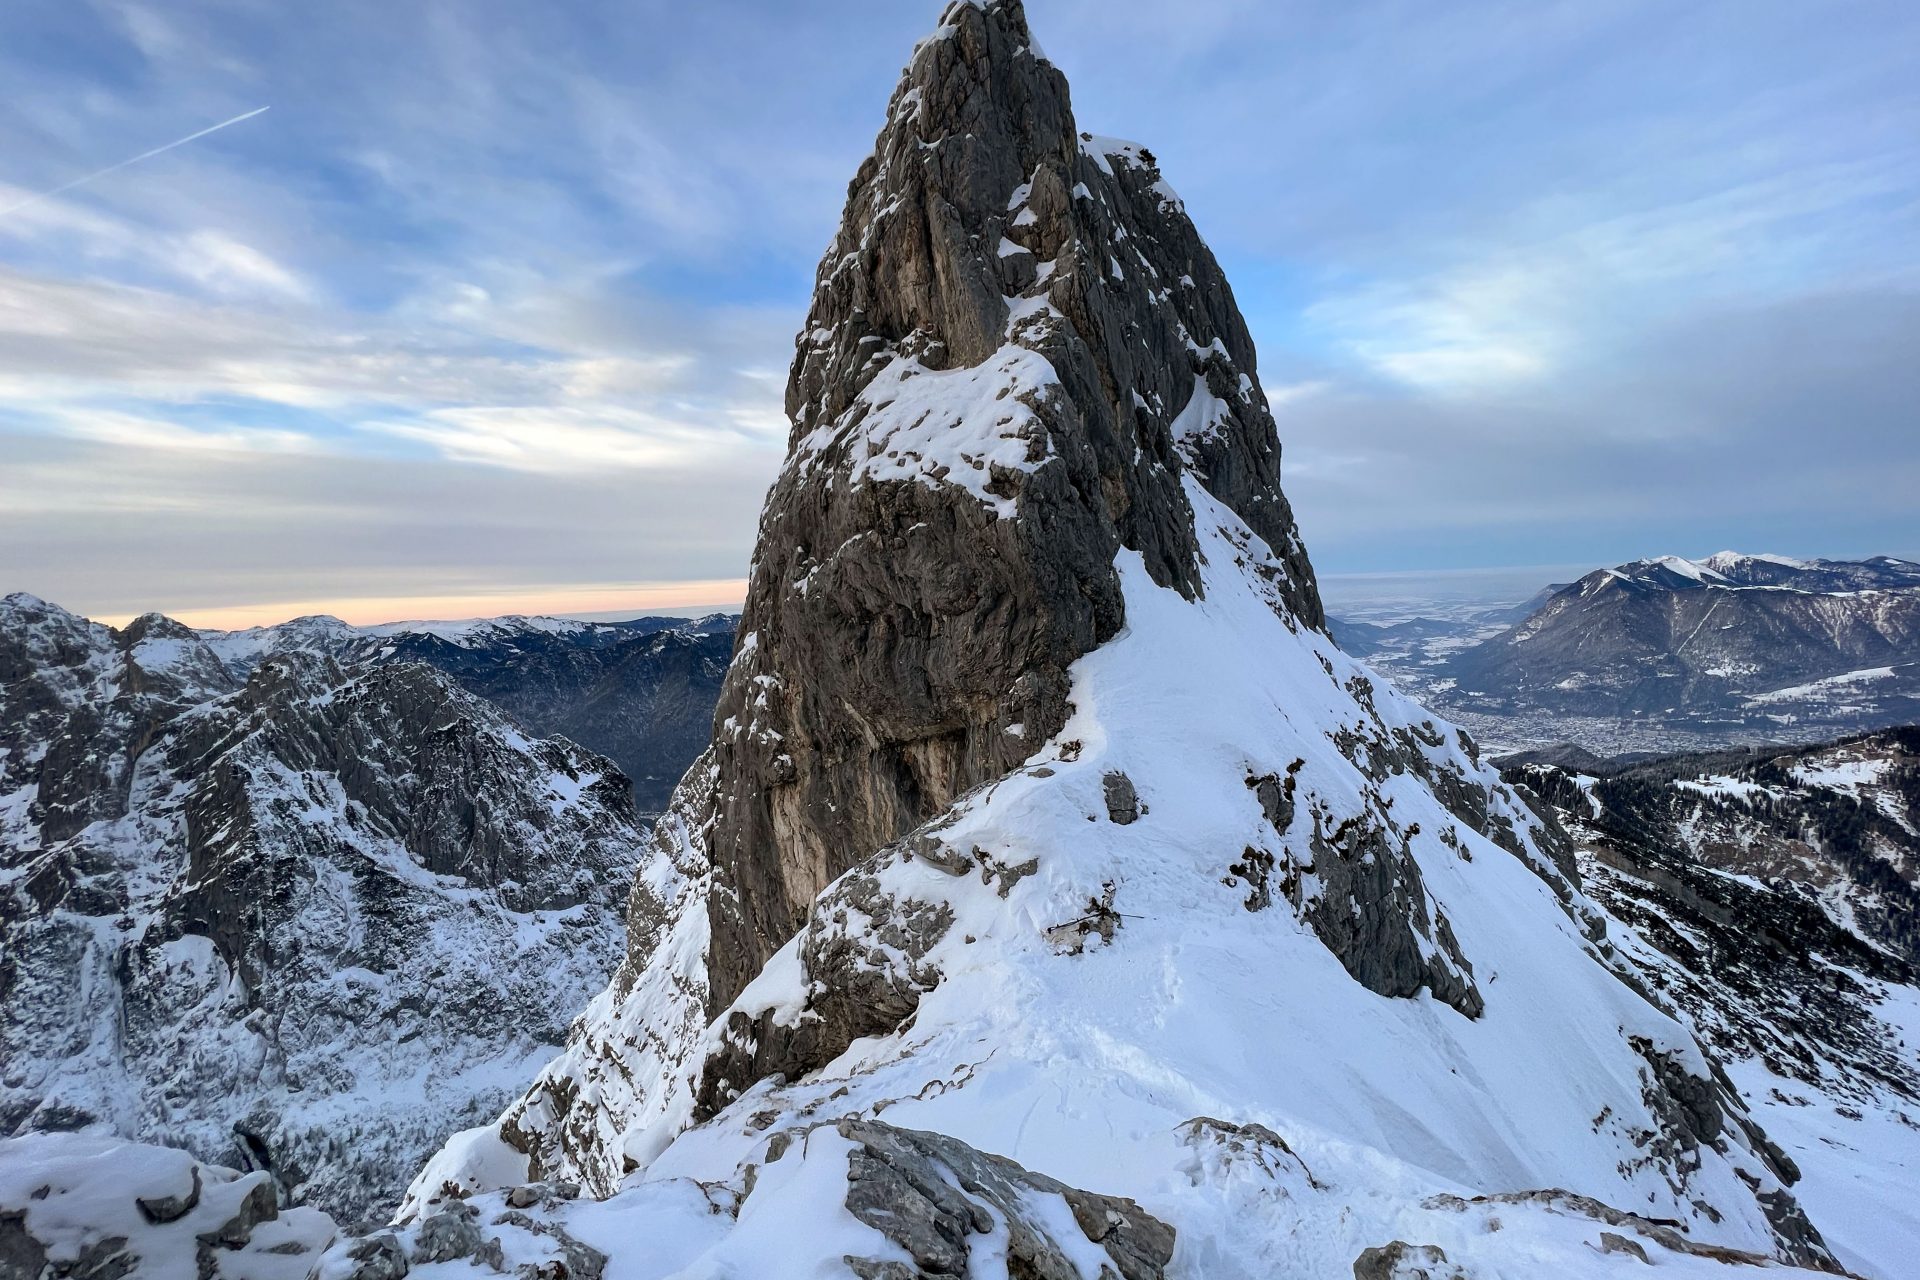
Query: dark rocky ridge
x=640 y=692
x=645 y=701
x=931 y=639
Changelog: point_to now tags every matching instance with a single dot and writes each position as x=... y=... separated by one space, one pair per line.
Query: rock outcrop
x=84 y=1207
x=1018 y=344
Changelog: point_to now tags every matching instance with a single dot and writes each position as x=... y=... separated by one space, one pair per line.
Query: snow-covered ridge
x=1734 y=571
x=1774 y=895
x=322 y=633
x=307 y=923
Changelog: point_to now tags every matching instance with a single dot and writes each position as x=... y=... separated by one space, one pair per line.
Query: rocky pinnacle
x=1017 y=344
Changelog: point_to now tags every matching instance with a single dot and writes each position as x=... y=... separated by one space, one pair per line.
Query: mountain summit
x=1055 y=899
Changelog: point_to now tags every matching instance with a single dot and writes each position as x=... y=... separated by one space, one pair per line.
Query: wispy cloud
x=505 y=294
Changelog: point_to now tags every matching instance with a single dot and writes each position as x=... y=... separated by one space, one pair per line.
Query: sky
x=490 y=309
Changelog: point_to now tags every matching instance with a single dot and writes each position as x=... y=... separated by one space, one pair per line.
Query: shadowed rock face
x=916 y=600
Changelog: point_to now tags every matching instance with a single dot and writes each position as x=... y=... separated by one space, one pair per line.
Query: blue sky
x=492 y=308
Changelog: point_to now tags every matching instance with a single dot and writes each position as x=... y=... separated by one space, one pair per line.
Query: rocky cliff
x=307 y=924
x=1017 y=347
x=1053 y=886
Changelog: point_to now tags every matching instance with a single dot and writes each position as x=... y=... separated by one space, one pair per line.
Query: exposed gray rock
x=861 y=956
x=1402 y=1261
x=377 y=1258
x=1250 y=1142
x=1613 y=1243
x=1374 y=913
x=22 y=1256
x=930 y=1194
x=159 y=1209
x=257 y=1205
x=903 y=674
x=447 y=1235
x=106 y=1259
x=1123 y=802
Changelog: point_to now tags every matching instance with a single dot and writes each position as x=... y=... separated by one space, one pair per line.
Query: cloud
x=505 y=294
x=1784 y=422
x=116 y=528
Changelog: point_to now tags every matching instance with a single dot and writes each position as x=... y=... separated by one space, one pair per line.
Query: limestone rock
x=929 y=1194
x=879 y=674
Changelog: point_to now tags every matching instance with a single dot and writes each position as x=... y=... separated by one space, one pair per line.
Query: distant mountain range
x=293 y=915
x=641 y=692
x=1668 y=652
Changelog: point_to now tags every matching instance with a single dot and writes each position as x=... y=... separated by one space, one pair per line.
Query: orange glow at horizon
x=636 y=598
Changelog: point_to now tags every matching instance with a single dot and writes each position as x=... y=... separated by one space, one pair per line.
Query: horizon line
x=589 y=603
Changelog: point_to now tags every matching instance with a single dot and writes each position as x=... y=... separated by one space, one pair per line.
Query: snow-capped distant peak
x=1698 y=571
x=1726 y=562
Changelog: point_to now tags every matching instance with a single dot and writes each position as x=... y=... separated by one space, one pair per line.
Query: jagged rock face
x=78 y=703
x=309 y=926
x=1017 y=344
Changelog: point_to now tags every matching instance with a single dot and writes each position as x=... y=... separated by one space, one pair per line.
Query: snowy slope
x=1218 y=959
x=1092 y=1066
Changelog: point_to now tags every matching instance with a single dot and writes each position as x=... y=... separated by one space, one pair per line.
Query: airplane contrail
x=115 y=168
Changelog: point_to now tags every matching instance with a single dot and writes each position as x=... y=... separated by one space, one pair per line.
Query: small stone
x=444 y=1237
x=257 y=1205
x=163 y=1209
x=1123 y=802
x=1402 y=1261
